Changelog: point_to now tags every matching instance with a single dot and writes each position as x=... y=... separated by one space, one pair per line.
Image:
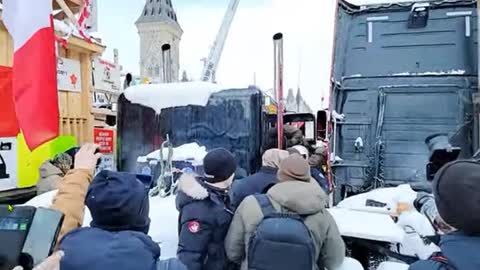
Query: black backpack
x=281 y=241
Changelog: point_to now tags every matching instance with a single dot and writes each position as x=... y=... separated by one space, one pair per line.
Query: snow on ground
x=160 y=96
x=191 y=151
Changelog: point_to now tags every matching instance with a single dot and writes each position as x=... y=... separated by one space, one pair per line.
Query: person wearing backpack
x=204 y=212
x=287 y=228
x=456 y=190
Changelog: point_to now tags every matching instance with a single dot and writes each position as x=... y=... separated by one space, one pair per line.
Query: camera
x=441 y=153
x=73 y=151
x=28 y=235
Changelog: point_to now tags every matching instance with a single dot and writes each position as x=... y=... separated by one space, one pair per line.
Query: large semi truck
x=402 y=72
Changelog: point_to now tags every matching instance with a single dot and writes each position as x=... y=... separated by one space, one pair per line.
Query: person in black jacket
x=205 y=213
x=262 y=180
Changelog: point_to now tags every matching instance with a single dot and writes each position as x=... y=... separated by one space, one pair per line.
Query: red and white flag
x=30 y=23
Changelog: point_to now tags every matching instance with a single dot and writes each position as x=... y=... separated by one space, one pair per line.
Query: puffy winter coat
x=97 y=249
x=256 y=183
x=70 y=199
x=203 y=223
x=318 y=175
x=50 y=178
x=303 y=198
x=460 y=250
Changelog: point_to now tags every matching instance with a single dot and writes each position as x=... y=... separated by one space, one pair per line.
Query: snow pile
x=191 y=152
x=350 y=264
x=392 y=266
x=416 y=225
x=364 y=225
x=390 y=196
x=70 y=30
x=160 y=96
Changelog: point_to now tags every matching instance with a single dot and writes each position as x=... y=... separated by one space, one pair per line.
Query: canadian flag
x=34 y=79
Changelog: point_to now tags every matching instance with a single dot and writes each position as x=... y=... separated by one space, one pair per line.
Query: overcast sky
x=307 y=26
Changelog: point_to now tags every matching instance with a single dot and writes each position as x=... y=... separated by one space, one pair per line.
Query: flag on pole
x=34 y=78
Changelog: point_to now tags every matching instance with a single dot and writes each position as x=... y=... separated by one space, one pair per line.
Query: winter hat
x=218 y=165
x=456 y=188
x=272 y=158
x=294 y=168
x=118 y=201
x=302 y=150
x=63 y=161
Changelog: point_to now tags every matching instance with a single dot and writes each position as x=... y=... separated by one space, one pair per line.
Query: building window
x=151 y=1
x=146 y=12
x=153 y=11
x=160 y=11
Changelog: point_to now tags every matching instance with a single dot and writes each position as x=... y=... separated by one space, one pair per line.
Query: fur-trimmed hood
x=189 y=185
x=191 y=189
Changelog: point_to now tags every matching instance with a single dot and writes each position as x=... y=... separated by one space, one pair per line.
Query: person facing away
x=117 y=238
x=456 y=189
x=295 y=195
x=260 y=181
x=53 y=171
x=204 y=212
x=316 y=163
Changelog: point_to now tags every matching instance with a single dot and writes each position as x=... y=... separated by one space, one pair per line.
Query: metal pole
x=278 y=49
x=166 y=65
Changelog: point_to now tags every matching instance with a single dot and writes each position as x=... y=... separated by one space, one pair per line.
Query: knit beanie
x=456 y=188
x=294 y=168
x=118 y=201
x=218 y=165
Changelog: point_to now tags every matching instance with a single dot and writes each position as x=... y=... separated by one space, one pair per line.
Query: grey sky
x=307 y=26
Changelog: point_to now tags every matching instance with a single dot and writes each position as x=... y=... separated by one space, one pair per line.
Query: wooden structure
x=76 y=116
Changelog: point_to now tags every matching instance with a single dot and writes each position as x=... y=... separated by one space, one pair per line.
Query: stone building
x=157 y=26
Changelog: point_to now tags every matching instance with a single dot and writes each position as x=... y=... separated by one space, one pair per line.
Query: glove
x=422 y=198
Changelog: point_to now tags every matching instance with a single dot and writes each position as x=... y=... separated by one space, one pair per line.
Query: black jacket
x=203 y=223
x=253 y=184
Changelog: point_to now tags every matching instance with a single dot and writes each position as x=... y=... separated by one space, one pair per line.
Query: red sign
x=104 y=138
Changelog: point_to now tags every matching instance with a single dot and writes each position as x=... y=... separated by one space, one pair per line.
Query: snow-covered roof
x=160 y=96
x=64 y=28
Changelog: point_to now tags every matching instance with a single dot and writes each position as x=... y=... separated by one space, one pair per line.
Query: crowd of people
x=273 y=219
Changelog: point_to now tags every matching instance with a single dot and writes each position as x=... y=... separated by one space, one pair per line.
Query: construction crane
x=211 y=63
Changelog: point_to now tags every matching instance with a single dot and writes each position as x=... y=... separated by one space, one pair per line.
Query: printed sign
x=8 y=163
x=104 y=138
x=106 y=76
x=107 y=163
x=69 y=76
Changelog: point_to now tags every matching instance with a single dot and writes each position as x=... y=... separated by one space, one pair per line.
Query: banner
x=8 y=118
x=106 y=76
